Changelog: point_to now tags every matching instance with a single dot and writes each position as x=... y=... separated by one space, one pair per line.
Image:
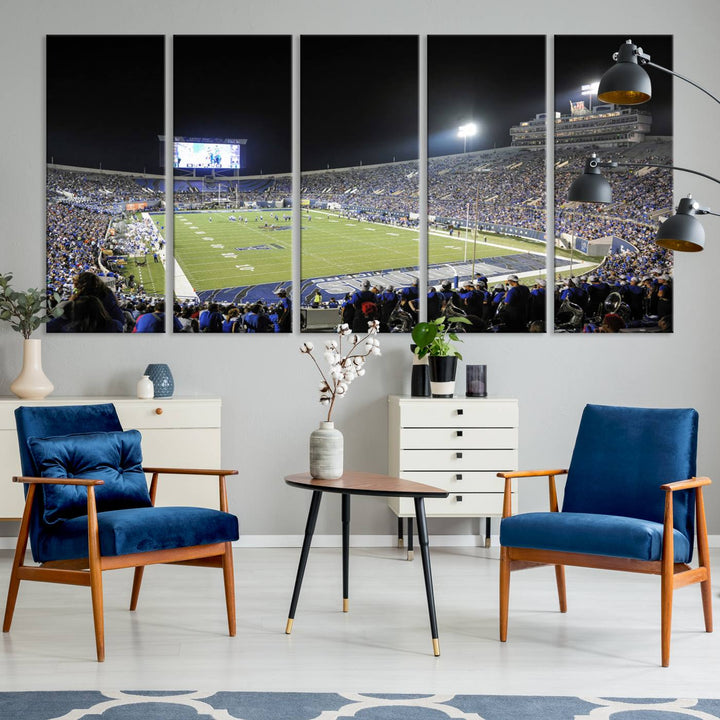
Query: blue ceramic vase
x=162 y=379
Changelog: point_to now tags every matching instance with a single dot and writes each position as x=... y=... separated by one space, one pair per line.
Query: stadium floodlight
x=679 y=232
x=590 y=89
x=627 y=83
x=465 y=131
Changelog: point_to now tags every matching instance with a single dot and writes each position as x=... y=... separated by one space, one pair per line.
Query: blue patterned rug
x=189 y=705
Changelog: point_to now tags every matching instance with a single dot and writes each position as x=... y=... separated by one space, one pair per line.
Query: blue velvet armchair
x=88 y=509
x=632 y=502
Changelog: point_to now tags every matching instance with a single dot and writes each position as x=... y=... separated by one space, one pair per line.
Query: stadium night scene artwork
x=610 y=275
x=105 y=253
x=359 y=189
x=486 y=181
x=232 y=190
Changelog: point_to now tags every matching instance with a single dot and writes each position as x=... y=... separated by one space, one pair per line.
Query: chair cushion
x=137 y=530
x=590 y=533
x=114 y=457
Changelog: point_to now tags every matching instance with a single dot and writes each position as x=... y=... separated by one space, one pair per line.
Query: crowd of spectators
x=494 y=187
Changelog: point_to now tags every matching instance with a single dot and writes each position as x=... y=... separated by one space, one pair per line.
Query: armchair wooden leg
x=560 y=580
x=11 y=598
x=666 y=598
x=18 y=560
x=704 y=559
x=229 y=578
x=504 y=592
x=96 y=588
x=137 y=581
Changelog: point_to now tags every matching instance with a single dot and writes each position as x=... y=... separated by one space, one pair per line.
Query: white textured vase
x=326 y=452
x=32 y=383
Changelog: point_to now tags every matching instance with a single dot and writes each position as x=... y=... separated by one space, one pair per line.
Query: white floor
x=607 y=644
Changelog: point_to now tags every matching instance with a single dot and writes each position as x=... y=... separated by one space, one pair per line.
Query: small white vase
x=32 y=383
x=145 y=388
x=326 y=452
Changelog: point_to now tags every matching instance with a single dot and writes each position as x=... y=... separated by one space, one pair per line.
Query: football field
x=255 y=248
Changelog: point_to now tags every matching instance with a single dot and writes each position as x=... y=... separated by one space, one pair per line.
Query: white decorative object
x=32 y=383
x=326 y=452
x=145 y=388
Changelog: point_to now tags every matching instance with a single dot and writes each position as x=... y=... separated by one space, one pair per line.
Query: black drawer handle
x=458 y=476
x=459 y=433
x=458 y=498
x=460 y=411
x=458 y=456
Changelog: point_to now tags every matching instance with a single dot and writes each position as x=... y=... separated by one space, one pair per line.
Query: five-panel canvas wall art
x=464 y=217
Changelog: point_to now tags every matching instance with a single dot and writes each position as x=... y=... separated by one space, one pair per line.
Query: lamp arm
x=677 y=75
x=666 y=167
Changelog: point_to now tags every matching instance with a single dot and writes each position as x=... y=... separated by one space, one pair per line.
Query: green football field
x=215 y=252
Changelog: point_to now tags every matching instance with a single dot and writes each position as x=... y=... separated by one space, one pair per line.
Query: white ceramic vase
x=32 y=383
x=145 y=388
x=326 y=452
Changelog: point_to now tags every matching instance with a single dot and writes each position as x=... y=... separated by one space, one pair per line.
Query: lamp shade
x=591 y=186
x=625 y=83
x=683 y=231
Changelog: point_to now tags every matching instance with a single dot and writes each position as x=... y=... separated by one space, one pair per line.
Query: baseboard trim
x=335 y=541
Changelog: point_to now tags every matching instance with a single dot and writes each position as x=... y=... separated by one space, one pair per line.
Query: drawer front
x=459 y=413
x=457 y=460
x=459 y=482
x=162 y=413
x=459 y=437
x=455 y=505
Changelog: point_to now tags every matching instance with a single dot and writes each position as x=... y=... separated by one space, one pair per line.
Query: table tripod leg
x=400 y=532
x=410 y=551
x=309 y=530
x=346 y=548
x=425 y=553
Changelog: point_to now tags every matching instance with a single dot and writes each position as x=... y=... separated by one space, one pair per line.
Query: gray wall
x=268 y=388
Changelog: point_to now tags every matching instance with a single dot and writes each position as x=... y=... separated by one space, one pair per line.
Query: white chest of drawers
x=458 y=444
x=176 y=432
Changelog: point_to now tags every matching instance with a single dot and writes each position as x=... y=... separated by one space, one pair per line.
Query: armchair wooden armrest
x=220 y=474
x=188 y=471
x=57 y=481
x=509 y=476
x=695 y=482
x=531 y=473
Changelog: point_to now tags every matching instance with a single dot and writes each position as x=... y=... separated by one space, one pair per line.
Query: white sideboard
x=176 y=432
x=458 y=444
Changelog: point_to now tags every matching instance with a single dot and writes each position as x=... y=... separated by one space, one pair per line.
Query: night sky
x=582 y=59
x=105 y=101
x=236 y=86
x=359 y=99
x=359 y=94
x=496 y=81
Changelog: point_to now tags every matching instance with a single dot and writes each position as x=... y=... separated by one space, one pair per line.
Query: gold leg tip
x=401 y=542
x=411 y=554
x=346 y=605
x=288 y=627
x=436 y=647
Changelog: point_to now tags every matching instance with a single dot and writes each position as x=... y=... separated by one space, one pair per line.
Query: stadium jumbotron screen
x=207 y=155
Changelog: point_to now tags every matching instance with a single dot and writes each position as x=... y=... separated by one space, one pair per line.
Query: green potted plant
x=435 y=340
x=26 y=311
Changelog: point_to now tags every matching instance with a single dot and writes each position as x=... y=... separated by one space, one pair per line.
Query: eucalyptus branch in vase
x=345 y=364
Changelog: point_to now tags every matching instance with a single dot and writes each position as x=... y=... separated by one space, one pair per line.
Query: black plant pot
x=442 y=375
